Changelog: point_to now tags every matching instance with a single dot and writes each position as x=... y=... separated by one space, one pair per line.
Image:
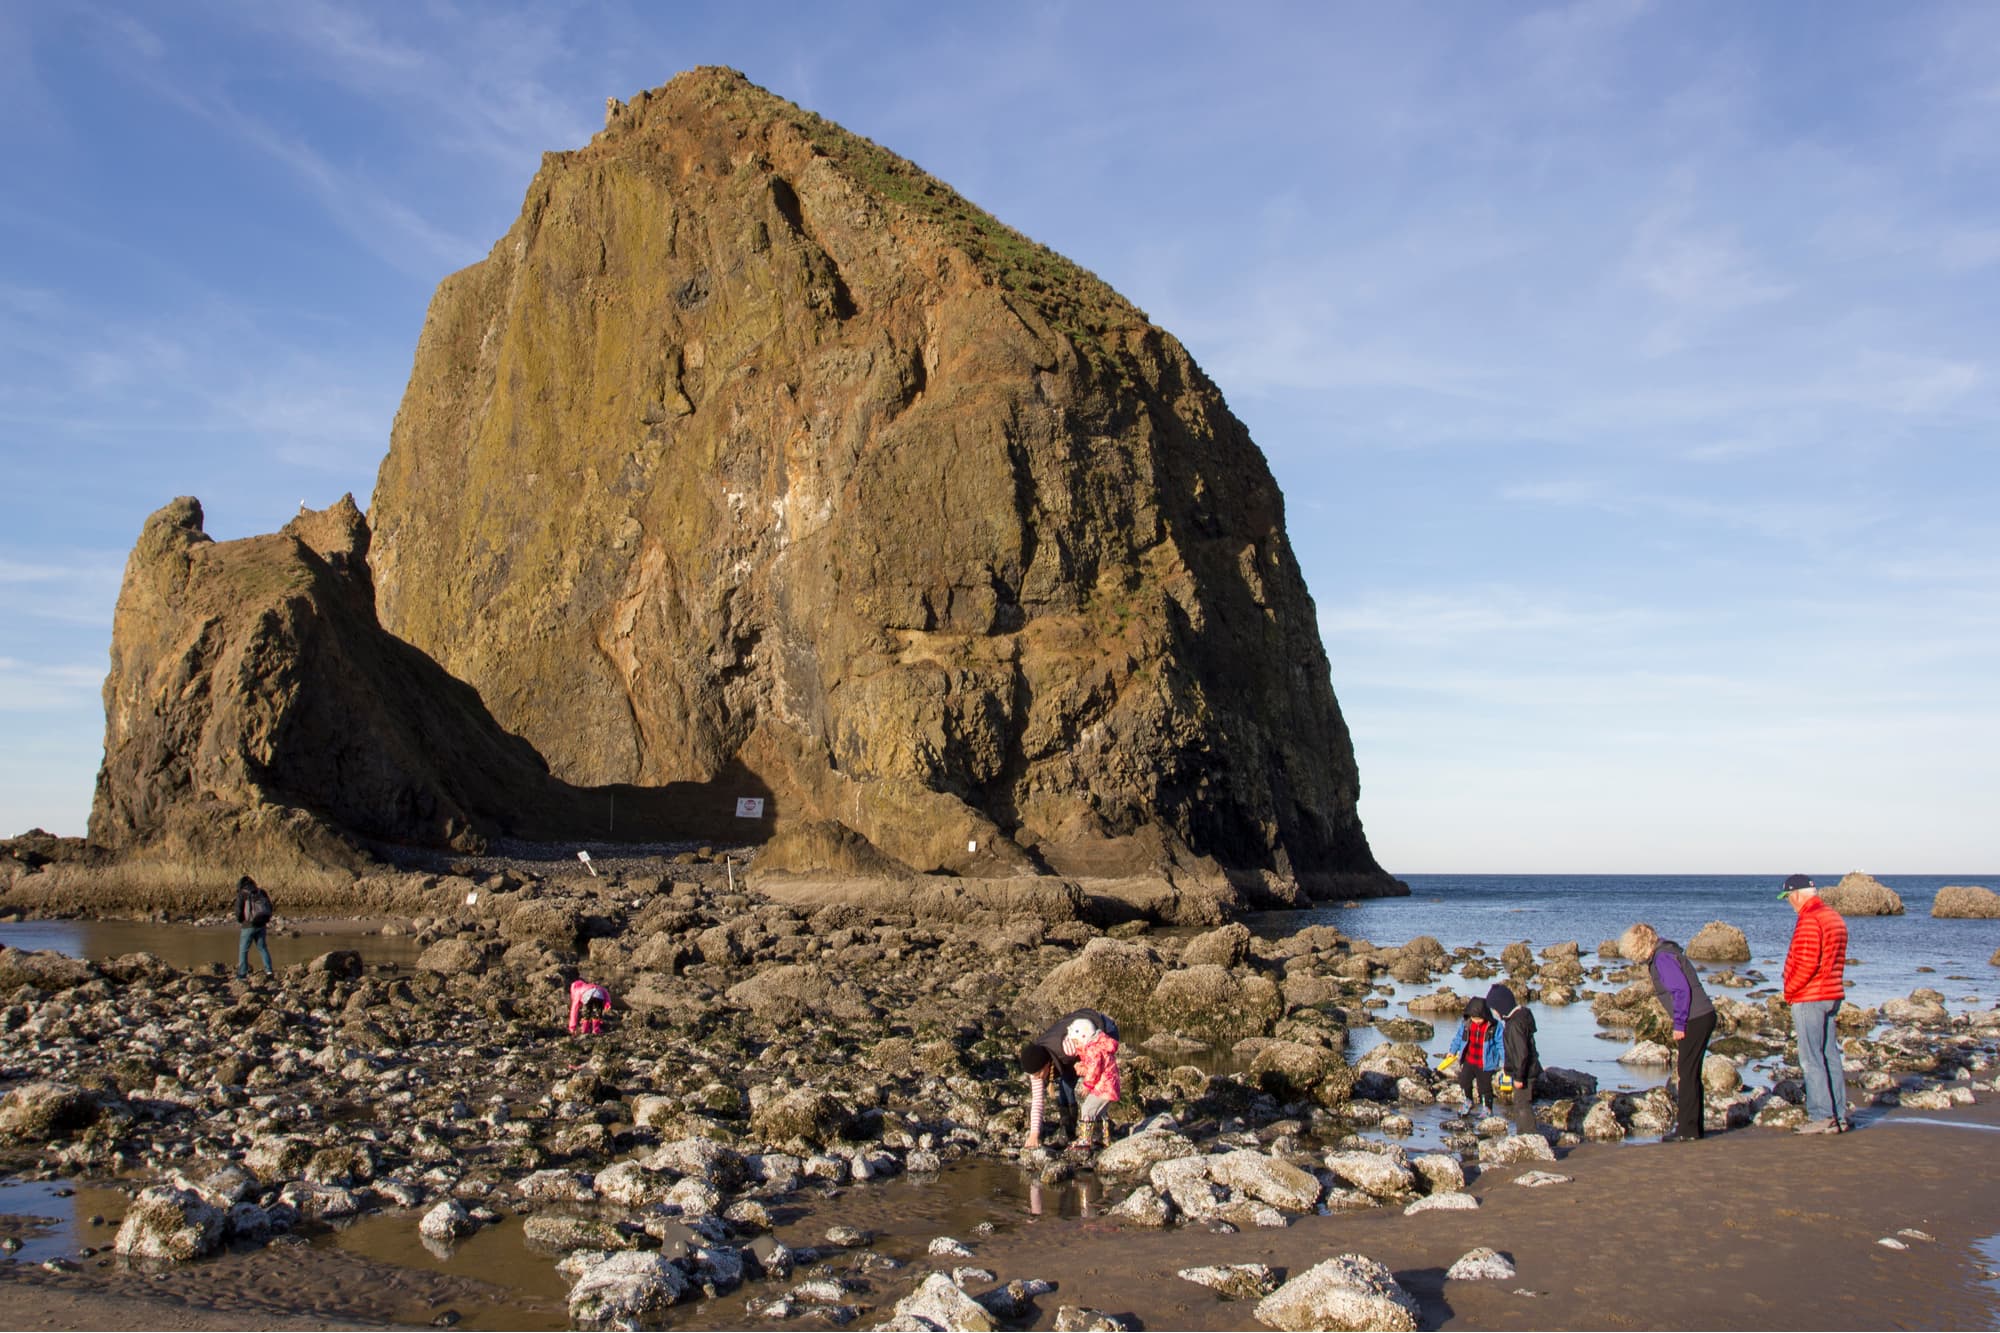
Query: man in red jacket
x=1814 y=987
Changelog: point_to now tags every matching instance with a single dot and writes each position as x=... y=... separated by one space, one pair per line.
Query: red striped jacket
x=1815 y=964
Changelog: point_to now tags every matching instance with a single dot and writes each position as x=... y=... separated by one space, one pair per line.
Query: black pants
x=1470 y=1074
x=1524 y=1106
x=1688 y=1053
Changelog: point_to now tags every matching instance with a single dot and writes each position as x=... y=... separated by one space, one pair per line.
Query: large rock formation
x=753 y=462
x=256 y=714
x=753 y=454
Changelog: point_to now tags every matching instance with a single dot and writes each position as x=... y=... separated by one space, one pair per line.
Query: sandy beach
x=1749 y=1229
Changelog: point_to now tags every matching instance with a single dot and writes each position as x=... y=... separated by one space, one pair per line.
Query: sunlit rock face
x=751 y=444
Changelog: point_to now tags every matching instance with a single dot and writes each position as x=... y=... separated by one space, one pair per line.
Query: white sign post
x=585 y=858
x=749 y=807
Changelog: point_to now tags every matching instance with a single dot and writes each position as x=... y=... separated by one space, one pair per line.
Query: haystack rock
x=754 y=462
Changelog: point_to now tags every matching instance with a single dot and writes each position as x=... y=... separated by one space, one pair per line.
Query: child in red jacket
x=1096 y=1079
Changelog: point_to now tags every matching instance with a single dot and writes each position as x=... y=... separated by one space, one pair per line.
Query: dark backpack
x=259 y=904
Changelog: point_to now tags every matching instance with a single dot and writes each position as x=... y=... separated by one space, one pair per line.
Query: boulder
x=633 y=1289
x=45 y=1111
x=1289 y=1070
x=1556 y=1084
x=1966 y=901
x=807 y=1115
x=1226 y=946
x=1144 y=1207
x=1111 y=976
x=42 y=969
x=630 y=1185
x=1481 y=1265
x=939 y=1303
x=1858 y=894
x=454 y=956
x=565 y=1234
x=1135 y=1154
x=1236 y=1282
x=1719 y=1077
x=1209 y=1003
x=556 y=924
x=1446 y=1201
x=1924 y=1006
x=1647 y=1053
x=719 y=1165
x=791 y=991
x=446 y=1222
x=1719 y=942
x=1348 y=1291
x=1395 y=1059
x=1440 y=1172
x=1375 y=1174
x=341 y=964
x=166 y=1222
x=1185 y=1183
x=1444 y=1001
x=1515 y=1148
x=276 y=1157
x=1271 y=1179
x=1601 y=1125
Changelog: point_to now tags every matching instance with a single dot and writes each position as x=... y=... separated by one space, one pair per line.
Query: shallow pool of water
x=186 y=946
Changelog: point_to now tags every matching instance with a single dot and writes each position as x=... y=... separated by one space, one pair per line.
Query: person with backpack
x=1522 y=1060
x=1691 y=1013
x=253 y=914
x=1478 y=1053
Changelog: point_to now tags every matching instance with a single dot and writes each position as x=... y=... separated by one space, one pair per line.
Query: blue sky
x=1630 y=369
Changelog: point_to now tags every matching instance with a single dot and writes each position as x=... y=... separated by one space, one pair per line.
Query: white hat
x=1082 y=1030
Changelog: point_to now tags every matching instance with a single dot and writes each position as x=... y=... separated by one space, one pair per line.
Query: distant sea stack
x=753 y=461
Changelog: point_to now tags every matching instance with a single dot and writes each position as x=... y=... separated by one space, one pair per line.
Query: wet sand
x=1749 y=1229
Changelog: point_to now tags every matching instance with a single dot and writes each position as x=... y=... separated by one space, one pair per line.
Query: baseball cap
x=1793 y=883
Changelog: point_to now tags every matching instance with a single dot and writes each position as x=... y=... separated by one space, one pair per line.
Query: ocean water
x=1496 y=910
x=1891 y=955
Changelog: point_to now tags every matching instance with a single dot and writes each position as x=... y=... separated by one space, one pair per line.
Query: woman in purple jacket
x=1693 y=1017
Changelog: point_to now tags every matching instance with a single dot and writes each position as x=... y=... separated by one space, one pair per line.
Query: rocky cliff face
x=256 y=713
x=754 y=455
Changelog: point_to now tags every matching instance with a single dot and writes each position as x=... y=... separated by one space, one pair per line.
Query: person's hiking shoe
x=1819 y=1127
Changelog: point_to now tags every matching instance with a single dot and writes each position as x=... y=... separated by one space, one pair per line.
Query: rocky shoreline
x=766 y=1052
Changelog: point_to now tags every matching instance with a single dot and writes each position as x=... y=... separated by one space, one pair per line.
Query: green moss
x=1075 y=301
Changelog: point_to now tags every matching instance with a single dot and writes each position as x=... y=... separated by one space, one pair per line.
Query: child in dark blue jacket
x=1477 y=1049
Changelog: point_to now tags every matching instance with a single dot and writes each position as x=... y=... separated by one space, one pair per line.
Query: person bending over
x=588 y=1004
x=1051 y=1059
x=1692 y=1015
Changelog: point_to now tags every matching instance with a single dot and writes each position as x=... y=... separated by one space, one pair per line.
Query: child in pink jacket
x=588 y=1004
x=1096 y=1079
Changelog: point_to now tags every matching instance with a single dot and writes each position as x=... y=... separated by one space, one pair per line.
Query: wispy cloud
x=73 y=588
x=376 y=218
x=1429 y=619
x=26 y=687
